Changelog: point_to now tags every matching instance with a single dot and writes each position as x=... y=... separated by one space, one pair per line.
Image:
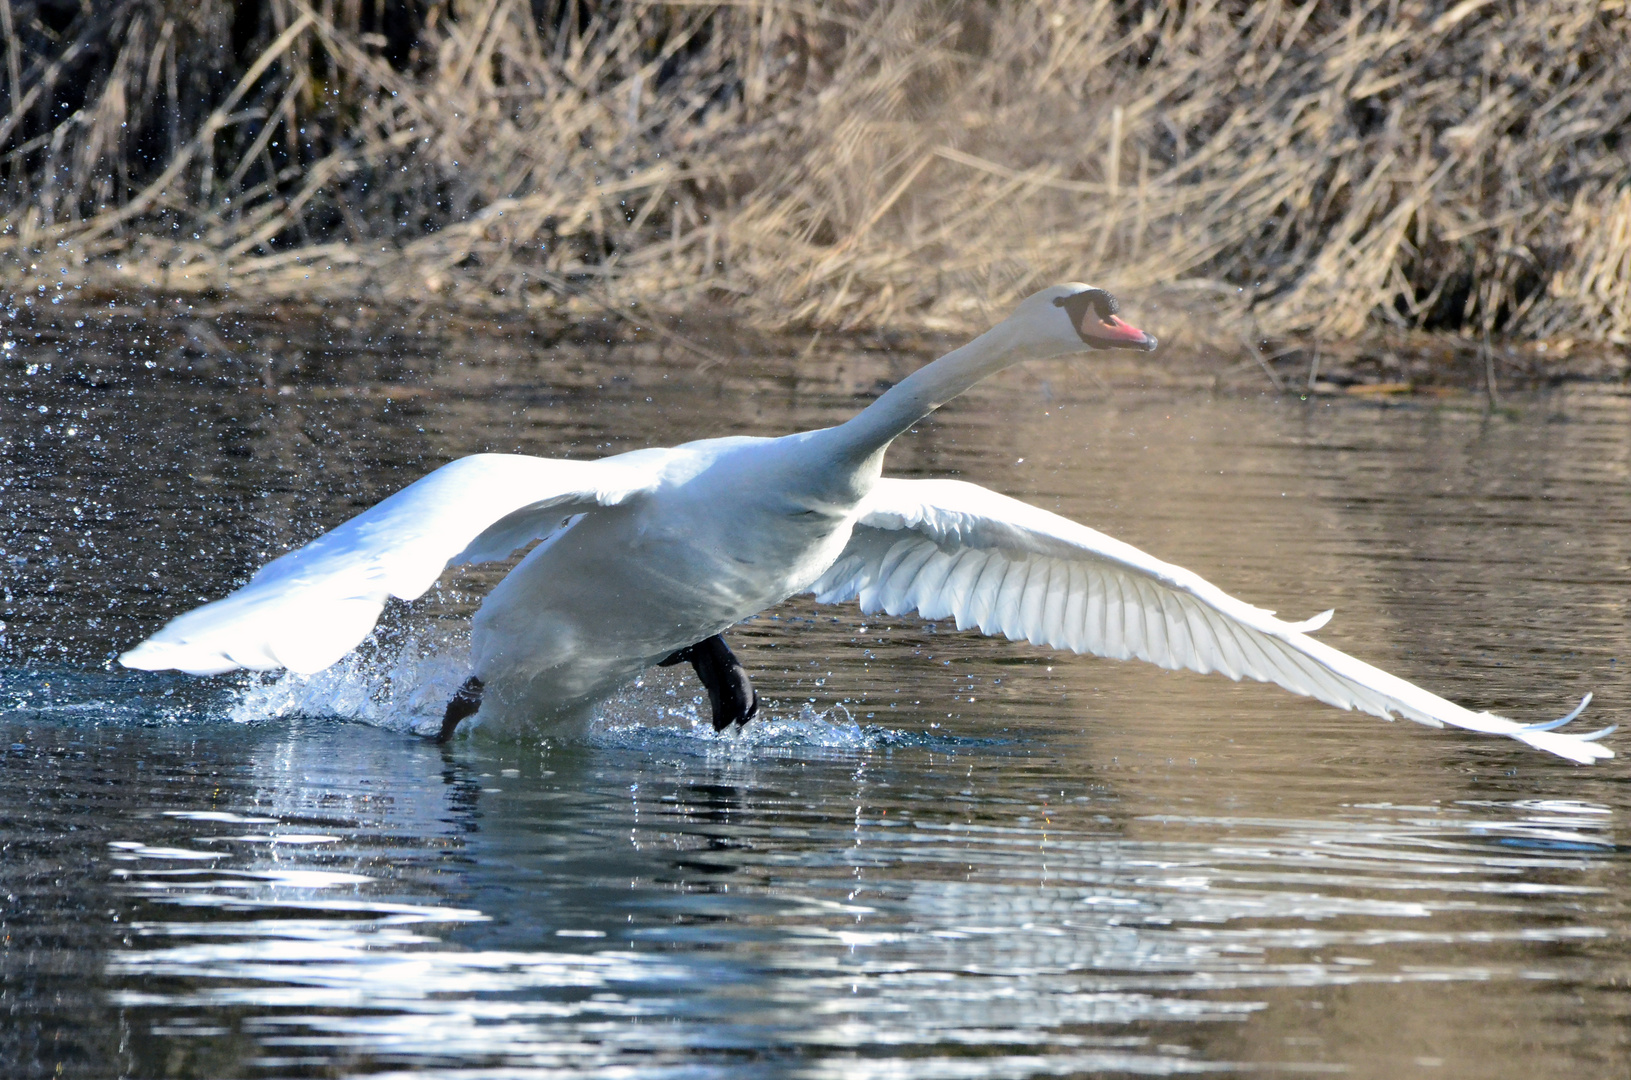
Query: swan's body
x=729 y=528
x=648 y=553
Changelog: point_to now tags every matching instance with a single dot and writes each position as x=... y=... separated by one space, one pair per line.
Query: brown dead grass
x=1321 y=168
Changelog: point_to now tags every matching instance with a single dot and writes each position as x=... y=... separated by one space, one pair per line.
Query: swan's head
x=1074 y=315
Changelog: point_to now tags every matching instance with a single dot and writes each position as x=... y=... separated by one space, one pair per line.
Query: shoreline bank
x=1304 y=171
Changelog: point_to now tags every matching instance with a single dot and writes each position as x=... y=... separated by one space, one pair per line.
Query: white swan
x=648 y=556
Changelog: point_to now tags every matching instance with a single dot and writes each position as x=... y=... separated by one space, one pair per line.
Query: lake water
x=936 y=856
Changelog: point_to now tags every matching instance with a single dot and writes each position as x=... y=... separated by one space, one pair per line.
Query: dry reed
x=1320 y=167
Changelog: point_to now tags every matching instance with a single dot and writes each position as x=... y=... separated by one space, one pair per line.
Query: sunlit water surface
x=937 y=856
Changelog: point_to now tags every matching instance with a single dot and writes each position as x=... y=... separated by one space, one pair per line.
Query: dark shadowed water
x=939 y=856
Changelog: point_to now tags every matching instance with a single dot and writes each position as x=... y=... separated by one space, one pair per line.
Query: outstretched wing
x=307 y=609
x=949 y=549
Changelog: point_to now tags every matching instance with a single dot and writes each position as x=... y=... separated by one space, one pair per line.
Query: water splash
x=638 y=716
x=658 y=712
x=401 y=686
x=405 y=686
x=401 y=680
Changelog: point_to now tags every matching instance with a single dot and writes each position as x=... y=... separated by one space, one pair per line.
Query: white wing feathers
x=949 y=549
x=307 y=609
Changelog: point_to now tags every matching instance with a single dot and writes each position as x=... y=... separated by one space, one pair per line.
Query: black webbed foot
x=463 y=704
x=729 y=689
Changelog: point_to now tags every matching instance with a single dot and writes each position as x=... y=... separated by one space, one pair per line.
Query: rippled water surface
x=939 y=856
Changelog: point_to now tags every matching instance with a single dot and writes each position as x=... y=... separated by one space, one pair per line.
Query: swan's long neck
x=871 y=431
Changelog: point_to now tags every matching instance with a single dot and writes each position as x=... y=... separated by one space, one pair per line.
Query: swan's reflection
x=355 y=897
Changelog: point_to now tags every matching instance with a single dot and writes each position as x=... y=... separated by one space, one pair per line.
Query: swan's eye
x=1099 y=302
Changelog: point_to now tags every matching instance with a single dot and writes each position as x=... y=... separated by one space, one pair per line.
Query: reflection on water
x=938 y=856
x=369 y=904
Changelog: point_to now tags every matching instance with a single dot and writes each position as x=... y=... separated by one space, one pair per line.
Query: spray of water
x=404 y=685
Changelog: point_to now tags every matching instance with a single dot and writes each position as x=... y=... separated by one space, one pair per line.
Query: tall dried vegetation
x=1322 y=167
